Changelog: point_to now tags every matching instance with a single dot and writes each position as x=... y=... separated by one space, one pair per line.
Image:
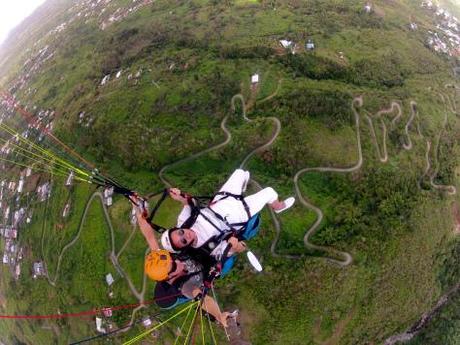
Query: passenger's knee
x=272 y=195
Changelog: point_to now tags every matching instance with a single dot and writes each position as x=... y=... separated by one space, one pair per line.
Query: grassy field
x=187 y=60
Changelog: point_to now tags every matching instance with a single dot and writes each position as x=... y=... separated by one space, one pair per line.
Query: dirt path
x=113 y=256
x=382 y=153
x=347 y=258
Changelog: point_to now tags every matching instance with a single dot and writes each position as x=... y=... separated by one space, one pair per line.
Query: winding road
x=113 y=255
x=382 y=152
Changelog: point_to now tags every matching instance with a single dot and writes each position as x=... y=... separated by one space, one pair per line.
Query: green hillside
x=369 y=138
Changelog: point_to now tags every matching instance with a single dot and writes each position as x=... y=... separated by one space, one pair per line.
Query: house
x=109 y=201
x=6 y=214
x=66 y=210
x=254 y=78
x=70 y=178
x=413 y=26
x=286 y=44
x=428 y=4
x=118 y=75
x=17 y=271
x=9 y=232
x=109 y=279
x=81 y=116
x=12 y=186
x=99 y=327
x=38 y=269
x=21 y=185
x=133 y=218
x=310 y=45
x=108 y=192
x=105 y=79
x=368 y=7
x=44 y=191
x=18 y=216
x=146 y=322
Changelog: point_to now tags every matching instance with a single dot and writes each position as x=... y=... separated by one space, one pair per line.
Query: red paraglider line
x=87 y=312
x=30 y=119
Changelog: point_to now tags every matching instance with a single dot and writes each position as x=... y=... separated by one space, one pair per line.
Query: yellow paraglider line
x=142 y=335
x=41 y=149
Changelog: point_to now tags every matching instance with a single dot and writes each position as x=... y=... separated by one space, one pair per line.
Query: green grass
x=394 y=231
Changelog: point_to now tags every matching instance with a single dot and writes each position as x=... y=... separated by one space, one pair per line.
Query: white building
x=70 y=178
x=133 y=218
x=109 y=279
x=38 y=269
x=66 y=210
x=99 y=327
x=254 y=78
x=286 y=44
x=105 y=80
x=21 y=185
x=147 y=322
x=310 y=45
x=108 y=193
x=368 y=7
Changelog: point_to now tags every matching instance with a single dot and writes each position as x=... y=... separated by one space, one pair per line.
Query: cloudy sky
x=12 y=12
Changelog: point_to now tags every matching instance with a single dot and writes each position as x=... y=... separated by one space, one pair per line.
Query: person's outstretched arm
x=146 y=229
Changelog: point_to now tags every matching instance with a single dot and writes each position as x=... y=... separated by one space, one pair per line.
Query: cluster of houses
x=108 y=196
x=31 y=67
x=294 y=48
x=11 y=222
x=100 y=10
x=105 y=12
x=122 y=13
x=17 y=193
x=130 y=76
x=446 y=39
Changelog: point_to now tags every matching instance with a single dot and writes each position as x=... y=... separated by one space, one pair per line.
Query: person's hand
x=134 y=198
x=237 y=246
x=139 y=204
x=175 y=193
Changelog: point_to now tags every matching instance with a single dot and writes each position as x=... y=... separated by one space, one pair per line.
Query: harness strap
x=156 y=227
x=239 y=197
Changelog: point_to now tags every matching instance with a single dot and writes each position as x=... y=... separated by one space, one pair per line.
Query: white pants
x=233 y=209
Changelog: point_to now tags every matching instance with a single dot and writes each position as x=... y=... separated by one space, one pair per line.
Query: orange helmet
x=158 y=264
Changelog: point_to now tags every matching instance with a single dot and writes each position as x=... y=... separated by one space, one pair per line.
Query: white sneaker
x=287 y=204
